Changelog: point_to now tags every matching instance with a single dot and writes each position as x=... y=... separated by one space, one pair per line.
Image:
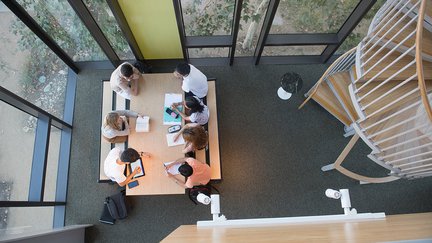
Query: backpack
x=116 y=205
x=142 y=66
x=205 y=189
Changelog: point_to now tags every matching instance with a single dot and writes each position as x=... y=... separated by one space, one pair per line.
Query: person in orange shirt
x=196 y=172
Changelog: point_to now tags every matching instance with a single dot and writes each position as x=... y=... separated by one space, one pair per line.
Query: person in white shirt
x=115 y=128
x=194 y=81
x=124 y=80
x=116 y=161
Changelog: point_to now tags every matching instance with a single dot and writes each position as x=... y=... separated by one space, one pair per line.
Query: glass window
x=29 y=68
x=292 y=50
x=18 y=220
x=251 y=21
x=360 y=30
x=18 y=136
x=59 y=20
x=207 y=18
x=52 y=164
x=311 y=16
x=208 y=52
x=108 y=24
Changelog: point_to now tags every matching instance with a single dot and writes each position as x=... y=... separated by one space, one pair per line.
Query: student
x=199 y=113
x=115 y=128
x=196 y=172
x=194 y=81
x=195 y=136
x=124 y=80
x=116 y=161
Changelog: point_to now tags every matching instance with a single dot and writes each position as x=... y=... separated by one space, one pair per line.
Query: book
x=170 y=139
x=142 y=124
x=135 y=164
x=174 y=169
x=167 y=118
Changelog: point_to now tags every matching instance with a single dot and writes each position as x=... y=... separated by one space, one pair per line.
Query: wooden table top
x=150 y=102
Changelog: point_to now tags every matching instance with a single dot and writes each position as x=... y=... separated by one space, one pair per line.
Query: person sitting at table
x=194 y=81
x=124 y=80
x=196 y=172
x=199 y=113
x=115 y=128
x=194 y=135
x=116 y=161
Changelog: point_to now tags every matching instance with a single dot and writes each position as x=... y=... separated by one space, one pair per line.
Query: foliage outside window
x=311 y=16
x=108 y=24
x=60 y=21
x=360 y=30
x=30 y=69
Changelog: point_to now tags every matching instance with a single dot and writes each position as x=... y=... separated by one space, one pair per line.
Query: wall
x=154 y=27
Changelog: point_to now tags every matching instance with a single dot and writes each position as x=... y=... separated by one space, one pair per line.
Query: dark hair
x=183 y=68
x=129 y=155
x=194 y=103
x=127 y=70
x=185 y=170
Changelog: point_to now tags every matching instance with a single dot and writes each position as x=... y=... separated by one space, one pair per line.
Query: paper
x=167 y=118
x=174 y=169
x=142 y=124
x=170 y=140
x=136 y=164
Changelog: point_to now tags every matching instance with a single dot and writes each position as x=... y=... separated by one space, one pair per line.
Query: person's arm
x=125 y=87
x=188 y=148
x=127 y=113
x=185 y=117
x=177 y=161
x=130 y=176
x=176 y=180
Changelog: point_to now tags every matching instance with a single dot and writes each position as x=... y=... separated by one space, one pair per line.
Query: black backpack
x=116 y=205
x=205 y=189
x=142 y=66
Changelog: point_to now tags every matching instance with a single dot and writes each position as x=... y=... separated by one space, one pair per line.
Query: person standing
x=124 y=80
x=194 y=81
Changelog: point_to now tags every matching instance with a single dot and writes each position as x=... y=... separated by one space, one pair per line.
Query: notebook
x=142 y=124
x=174 y=169
x=167 y=118
x=170 y=139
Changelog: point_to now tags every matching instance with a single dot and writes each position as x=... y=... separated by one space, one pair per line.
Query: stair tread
x=340 y=82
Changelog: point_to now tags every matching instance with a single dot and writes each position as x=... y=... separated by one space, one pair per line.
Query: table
x=150 y=102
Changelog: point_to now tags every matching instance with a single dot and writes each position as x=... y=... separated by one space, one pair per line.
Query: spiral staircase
x=381 y=88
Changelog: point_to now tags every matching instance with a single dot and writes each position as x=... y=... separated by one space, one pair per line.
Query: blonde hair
x=197 y=136
x=111 y=121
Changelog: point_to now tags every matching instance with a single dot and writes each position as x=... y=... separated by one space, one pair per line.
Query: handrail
x=325 y=75
x=355 y=176
x=419 y=61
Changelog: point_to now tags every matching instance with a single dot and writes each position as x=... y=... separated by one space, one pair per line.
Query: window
x=60 y=21
x=52 y=164
x=108 y=24
x=18 y=138
x=293 y=50
x=208 y=17
x=311 y=16
x=29 y=68
x=24 y=219
x=208 y=52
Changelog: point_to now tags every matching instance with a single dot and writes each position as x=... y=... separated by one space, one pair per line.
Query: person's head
x=185 y=170
x=126 y=70
x=112 y=120
x=183 y=69
x=197 y=136
x=194 y=104
x=129 y=155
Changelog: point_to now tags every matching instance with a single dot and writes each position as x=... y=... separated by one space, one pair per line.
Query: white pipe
x=394 y=102
x=406 y=141
x=406 y=150
x=395 y=125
